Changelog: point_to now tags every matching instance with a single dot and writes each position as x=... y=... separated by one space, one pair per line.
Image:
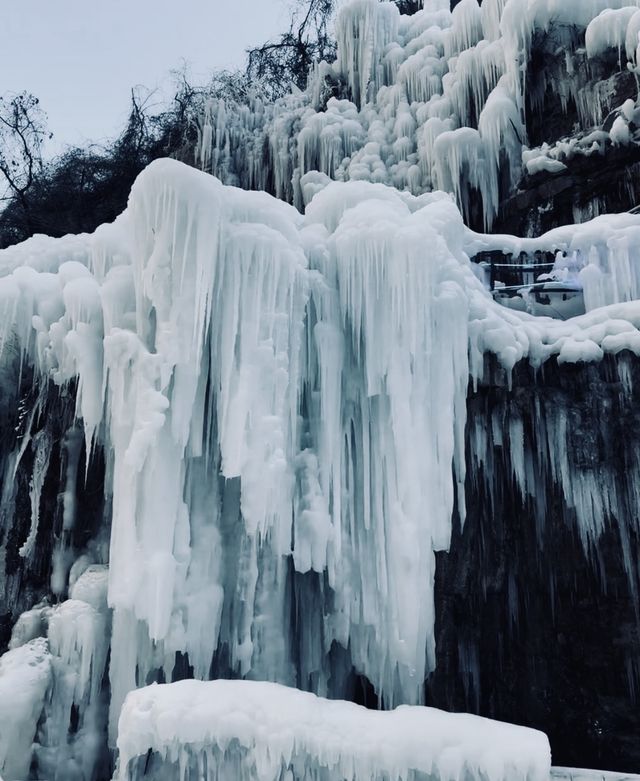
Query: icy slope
x=248 y=730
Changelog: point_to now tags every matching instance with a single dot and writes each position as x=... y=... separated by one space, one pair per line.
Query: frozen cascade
x=40 y=466
x=402 y=359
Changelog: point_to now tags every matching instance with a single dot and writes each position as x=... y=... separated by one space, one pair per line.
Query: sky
x=82 y=57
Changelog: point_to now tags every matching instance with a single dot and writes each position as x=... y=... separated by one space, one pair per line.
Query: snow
x=619 y=133
x=535 y=163
x=267 y=731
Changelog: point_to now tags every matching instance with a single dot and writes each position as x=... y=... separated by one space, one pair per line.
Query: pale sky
x=82 y=57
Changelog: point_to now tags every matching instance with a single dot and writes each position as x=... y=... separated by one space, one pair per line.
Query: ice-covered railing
x=247 y=730
x=602 y=255
x=584 y=774
x=282 y=399
x=431 y=101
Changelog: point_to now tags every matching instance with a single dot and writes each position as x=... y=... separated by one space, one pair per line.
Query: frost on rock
x=247 y=730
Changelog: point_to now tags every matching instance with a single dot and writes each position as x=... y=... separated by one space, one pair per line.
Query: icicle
x=363 y=29
x=61 y=555
x=42 y=443
x=609 y=31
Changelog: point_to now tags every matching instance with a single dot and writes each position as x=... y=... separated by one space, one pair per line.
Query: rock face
x=33 y=549
x=533 y=625
x=571 y=102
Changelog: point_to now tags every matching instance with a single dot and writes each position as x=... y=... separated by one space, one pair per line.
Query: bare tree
x=23 y=132
x=276 y=65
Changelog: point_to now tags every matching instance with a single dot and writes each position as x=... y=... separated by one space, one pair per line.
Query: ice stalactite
x=399 y=82
x=363 y=30
x=402 y=73
x=385 y=435
x=394 y=77
x=219 y=394
x=42 y=443
x=63 y=555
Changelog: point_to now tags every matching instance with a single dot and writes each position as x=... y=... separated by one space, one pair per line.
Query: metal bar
x=539 y=286
x=528 y=266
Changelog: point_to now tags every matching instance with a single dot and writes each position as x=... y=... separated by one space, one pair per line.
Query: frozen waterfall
x=281 y=402
x=239 y=427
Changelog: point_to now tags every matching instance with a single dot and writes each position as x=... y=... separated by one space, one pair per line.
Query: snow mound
x=248 y=730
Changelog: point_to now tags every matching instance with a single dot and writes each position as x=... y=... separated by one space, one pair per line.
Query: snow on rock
x=267 y=731
x=536 y=160
x=25 y=673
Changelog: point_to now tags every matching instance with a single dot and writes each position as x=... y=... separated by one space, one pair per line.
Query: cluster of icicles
x=432 y=101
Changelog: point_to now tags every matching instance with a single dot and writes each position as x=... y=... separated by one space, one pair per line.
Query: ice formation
x=435 y=100
x=192 y=729
x=24 y=678
x=274 y=397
